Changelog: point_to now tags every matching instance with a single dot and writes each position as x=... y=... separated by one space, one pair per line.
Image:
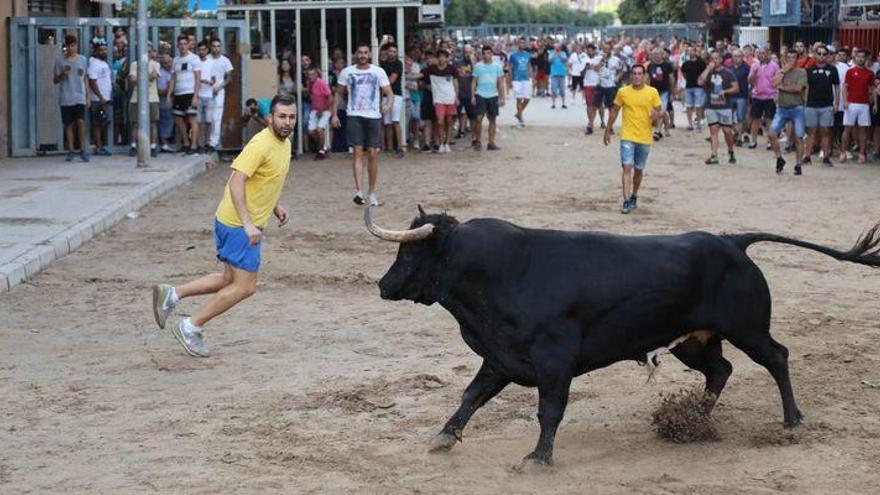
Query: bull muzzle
x=396 y=235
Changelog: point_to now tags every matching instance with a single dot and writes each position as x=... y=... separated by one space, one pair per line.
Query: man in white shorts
x=521 y=74
x=319 y=117
x=855 y=94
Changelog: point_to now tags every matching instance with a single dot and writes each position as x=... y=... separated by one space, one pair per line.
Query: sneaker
x=601 y=125
x=807 y=160
x=712 y=160
x=769 y=147
x=658 y=136
x=492 y=147
x=780 y=164
x=397 y=154
x=448 y=148
x=190 y=337
x=435 y=148
x=731 y=158
x=84 y=155
x=478 y=146
x=798 y=170
x=747 y=138
x=154 y=152
x=132 y=151
x=626 y=207
x=358 y=199
x=102 y=151
x=553 y=107
x=850 y=155
x=689 y=128
x=373 y=200
x=666 y=133
x=70 y=156
x=164 y=302
x=753 y=145
x=634 y=201
x=563 y=106
x=588 y=131
x=827 y=162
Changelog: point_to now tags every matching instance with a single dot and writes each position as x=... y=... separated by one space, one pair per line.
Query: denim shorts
x=819 y=117
x=634 y=154
x=795 y=115
x=233 y=247
x=694 y=97
x=739 y=109
x=664 y=100
x=557 y=85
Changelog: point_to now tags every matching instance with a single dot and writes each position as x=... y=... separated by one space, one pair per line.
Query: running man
x=364 y=84
x=521 y=73
x=642 y=108
x=249 y=201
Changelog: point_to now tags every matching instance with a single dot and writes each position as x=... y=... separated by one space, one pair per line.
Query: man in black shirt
x=662 y=77
x=694 y=94
x=393 y=67
x=823 y=83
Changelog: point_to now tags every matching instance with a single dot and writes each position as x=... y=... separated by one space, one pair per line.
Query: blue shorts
x=664 y=100
x=233 y=247
x=819 y=117
x=694 y=97
x=634 y=154
x=557 y=85
x=739 y=109
x=795 y=115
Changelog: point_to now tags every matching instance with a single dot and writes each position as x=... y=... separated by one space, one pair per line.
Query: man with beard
x=249 y=201
x=364 y=84
x=101 y=85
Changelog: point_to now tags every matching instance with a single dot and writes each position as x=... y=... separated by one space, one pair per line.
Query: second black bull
x=543 y=306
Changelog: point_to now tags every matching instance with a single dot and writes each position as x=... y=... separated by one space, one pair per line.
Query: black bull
x=542 y=306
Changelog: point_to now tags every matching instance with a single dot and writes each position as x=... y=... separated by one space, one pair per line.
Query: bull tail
x=866 y=250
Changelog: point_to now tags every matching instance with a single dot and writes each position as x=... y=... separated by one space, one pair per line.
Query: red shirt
x=805 y=62
x=858 y=84
x=320 y=92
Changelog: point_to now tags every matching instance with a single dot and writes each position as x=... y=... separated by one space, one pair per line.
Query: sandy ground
x=316 y=385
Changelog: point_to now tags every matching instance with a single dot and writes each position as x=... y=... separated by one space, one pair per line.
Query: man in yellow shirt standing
x=249 y=201
x=641 y=109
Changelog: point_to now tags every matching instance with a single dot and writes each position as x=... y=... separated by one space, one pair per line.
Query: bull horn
x=396 y=235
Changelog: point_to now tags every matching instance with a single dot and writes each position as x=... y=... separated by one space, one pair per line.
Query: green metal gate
x=35 y=43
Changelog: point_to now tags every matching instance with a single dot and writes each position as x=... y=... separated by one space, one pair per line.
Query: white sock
x=174 y=299
x=187 y=324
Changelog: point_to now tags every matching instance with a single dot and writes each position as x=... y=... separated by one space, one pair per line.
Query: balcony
x=818 y=13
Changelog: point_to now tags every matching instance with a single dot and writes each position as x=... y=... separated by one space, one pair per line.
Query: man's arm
x=389 y=98
x=239 y=200
x=473 y=90
x=501 y=89
x=705 y=74
x=342 y=92
x=169 y=93
x=612 y=117
x=60 y=75
x=197 y=80
x=93 y=84
x=455 y=87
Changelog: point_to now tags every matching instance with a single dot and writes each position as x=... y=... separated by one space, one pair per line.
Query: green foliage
x=475 y=12
x=651 y=11
x=158 y=9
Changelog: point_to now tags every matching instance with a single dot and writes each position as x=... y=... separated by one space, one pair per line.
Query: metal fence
x=666 y=31
x=516 y=30
x=35 y=44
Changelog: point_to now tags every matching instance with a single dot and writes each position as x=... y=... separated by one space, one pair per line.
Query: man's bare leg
x=637 y=181
x=209 y=284
x=194 y=128
x=358 y=168
x=180 y=123
x=373 y=167
x=492 y=130
x=243 y=286
x=627 y=180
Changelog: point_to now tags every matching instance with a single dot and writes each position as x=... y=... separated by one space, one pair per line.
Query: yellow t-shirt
x=266 y=161
x=636 y=105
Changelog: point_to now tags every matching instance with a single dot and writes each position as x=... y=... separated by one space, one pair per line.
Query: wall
x=7 y=9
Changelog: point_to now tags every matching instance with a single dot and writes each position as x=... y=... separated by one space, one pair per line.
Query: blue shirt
x=557 y=64
x=519 y=64
x=487 y=76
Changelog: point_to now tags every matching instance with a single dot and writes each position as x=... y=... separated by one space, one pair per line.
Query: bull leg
x=485 y=385
x=552 y=399
x=707 y=359
x=773 y=356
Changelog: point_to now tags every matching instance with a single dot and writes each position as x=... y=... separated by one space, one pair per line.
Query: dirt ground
x=316 y=385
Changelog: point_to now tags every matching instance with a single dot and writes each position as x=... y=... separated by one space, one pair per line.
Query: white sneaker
x=448 y=148
x=190 y=337
x=373 y=200
x=164 y=302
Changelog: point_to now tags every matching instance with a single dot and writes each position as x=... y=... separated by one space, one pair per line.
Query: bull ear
x=422 y=212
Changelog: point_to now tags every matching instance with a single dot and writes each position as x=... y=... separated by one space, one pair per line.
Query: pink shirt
x=763 y=88
x=320 y=92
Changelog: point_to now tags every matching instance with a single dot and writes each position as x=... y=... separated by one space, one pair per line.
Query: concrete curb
x=26 y=266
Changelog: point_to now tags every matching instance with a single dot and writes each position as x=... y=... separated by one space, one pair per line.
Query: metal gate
x=35 y=44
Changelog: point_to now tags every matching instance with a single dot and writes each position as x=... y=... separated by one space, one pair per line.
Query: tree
x=159 y=9
x=466 y=12
x=651 y=11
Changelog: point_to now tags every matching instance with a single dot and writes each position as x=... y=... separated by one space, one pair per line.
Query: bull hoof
x=533 y=464
x=443 y=442
x=797 y=421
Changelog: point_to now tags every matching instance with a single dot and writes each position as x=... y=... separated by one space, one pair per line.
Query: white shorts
x=394 y=115
x=522 y=90
x=316 y=120
x=857 y=114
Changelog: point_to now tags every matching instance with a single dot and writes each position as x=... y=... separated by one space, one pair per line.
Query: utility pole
x=143 y=56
